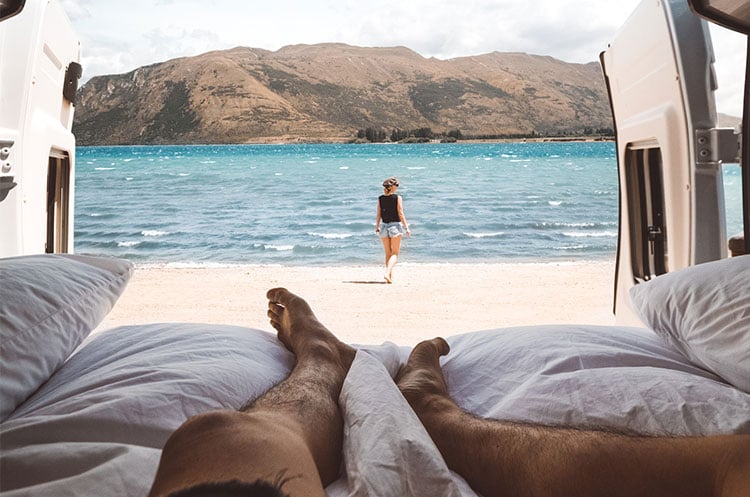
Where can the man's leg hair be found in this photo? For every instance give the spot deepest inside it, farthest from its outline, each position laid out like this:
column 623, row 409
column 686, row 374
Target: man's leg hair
column 295, row 429
column 500, row 458
column 232, row 488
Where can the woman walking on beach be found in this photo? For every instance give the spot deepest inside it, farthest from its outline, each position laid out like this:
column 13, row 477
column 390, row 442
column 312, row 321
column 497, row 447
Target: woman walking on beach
column 391, row 213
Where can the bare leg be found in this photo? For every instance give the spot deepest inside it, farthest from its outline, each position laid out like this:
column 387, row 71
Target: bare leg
column 388, row 254
column 292, row 434
column 395, row 249
column 503, row 458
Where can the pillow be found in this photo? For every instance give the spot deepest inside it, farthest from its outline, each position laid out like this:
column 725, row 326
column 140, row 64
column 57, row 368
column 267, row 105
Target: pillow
column 704, row 311
column 48, row 305
column 387, row 451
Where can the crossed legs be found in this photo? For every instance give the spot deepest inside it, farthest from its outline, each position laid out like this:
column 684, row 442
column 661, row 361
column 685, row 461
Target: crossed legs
column 291, row 437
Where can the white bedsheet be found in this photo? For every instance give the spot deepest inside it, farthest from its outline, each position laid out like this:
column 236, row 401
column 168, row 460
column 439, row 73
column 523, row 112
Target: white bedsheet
column 97, row 426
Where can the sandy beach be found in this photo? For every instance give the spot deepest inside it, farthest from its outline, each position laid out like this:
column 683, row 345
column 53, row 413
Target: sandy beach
column 425, row 300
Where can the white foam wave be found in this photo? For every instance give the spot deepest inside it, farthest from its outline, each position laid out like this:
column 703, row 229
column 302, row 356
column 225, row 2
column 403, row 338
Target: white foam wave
column 571, row 247
column 128, row 244
column 129, row 179
column 573, row 225
column 344, row 168
column 332, row 236
column 279, row 248
column 104, row 168
column 154, row 233
column 592, row 234
column 485, row 235
column 416, row 168
column 554, row 203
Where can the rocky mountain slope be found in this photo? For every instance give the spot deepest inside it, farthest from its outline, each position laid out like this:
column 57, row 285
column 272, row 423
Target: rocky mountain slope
column 329, row 91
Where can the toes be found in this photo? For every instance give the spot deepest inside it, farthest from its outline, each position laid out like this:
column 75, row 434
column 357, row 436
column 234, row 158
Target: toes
column 274, row 318
column 441, row 345
column 278, row 295
column 424, row 360
column 284, row 298
column 429, row 351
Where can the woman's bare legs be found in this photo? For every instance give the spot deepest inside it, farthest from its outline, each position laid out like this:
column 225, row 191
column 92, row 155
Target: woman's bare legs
column 502, row 458
column 291, row 435
column 392, row 248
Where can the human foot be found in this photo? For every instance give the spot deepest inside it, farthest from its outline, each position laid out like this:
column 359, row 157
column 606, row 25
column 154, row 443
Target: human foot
column 421, row 379
column 301, row 332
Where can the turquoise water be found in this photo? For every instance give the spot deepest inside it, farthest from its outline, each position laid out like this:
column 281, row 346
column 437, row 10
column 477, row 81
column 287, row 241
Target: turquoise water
column 315, row 204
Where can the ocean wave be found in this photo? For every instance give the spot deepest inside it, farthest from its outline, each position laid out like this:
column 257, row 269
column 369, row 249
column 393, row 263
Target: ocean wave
column 572, row 247
column 154, row 233
column 485, row 235
column 276, row 248
column 554, row 203
column 131, row 243
column 104, row 169
column 591, row 234
column 546, row 225
column 331, row 236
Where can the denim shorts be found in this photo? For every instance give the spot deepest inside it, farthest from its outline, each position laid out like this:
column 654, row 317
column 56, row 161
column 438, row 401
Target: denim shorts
column 391, row 230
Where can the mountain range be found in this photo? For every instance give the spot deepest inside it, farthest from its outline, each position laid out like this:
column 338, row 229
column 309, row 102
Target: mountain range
column 327, row 92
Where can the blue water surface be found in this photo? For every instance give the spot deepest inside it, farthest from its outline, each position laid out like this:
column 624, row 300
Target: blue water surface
column 315, row 204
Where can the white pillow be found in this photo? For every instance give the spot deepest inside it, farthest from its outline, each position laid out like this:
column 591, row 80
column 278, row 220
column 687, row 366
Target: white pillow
column 48, row 305
column 704, row 311
column 387, row 451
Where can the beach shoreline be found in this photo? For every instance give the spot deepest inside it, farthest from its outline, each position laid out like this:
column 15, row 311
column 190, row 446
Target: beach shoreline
column 425, row 300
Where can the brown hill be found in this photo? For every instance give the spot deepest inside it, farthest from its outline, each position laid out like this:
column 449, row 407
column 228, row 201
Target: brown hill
column 329, row 91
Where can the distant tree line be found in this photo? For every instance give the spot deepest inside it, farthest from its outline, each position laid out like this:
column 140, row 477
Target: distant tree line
column 380, row 135
column 421, row 135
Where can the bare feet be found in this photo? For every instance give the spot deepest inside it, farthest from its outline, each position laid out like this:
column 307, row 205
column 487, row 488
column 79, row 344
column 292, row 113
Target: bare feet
column 421, row 379
column 388, row 278
column 301, row 332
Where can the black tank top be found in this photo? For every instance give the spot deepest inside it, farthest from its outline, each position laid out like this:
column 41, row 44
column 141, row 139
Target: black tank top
column 389, row 208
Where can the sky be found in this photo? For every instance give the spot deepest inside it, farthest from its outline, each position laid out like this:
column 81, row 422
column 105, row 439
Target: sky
column 119, row 36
